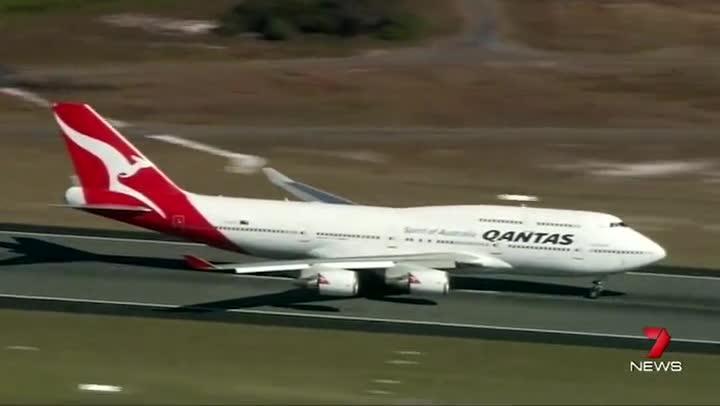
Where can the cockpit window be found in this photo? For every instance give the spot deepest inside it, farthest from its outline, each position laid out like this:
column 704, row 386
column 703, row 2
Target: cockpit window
column 618, row 224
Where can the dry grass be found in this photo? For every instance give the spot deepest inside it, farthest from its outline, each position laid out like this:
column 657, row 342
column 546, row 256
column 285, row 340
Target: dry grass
column 348, row 93
column 164, row 78
column 42, row 38
column 612, row 25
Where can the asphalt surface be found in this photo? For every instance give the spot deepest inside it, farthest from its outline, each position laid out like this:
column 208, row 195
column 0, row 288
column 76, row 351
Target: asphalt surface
column 113, row 274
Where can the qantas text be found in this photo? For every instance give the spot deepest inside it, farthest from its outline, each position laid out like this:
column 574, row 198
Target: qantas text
column 529, row 237
column 499, row 235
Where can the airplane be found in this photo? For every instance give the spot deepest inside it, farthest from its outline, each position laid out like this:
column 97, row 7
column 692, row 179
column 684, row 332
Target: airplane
column 330, row 243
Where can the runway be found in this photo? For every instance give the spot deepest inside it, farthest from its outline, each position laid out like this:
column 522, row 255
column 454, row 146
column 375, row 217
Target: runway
column 115, row 273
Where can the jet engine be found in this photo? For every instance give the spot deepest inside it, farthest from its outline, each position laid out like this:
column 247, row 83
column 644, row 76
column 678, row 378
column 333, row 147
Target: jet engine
column 417, row 279
column 329, row 281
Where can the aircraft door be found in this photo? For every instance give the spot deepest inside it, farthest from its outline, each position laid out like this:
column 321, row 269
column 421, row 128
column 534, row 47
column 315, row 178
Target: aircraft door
column 497, row 248
column 306, row 233
column 578, row 253
column 578, row 248
column 393, row 239
column 306, row 226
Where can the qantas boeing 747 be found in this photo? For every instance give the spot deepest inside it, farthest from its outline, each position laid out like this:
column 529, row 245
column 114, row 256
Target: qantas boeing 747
column 329, row 241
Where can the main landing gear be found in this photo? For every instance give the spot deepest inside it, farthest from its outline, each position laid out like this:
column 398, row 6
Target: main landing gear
column 597, row 288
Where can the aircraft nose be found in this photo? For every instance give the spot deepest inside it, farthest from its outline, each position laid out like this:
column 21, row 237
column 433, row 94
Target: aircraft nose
column 658, row 252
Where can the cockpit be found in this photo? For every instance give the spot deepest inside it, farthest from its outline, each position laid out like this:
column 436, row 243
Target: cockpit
column 616, row 242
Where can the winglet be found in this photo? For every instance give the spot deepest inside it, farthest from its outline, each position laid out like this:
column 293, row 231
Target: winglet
column 275, row 177
column 198, row 263
column 302, row 191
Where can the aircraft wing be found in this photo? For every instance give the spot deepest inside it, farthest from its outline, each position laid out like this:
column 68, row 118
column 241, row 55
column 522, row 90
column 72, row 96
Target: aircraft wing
column 432, row 260
column 302, row 191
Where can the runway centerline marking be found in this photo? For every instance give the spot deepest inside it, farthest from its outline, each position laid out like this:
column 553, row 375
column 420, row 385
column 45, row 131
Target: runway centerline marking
column 21, row 348
column 42, row 102
column 378, row 392
column 93, row 387
column 239, row 163
column 401, row 362
column 405, row 352
column 360, row 318
column 386, row 381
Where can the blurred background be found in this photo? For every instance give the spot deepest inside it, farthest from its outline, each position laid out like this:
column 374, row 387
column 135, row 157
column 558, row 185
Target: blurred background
column 601, row 105
column 608, row 105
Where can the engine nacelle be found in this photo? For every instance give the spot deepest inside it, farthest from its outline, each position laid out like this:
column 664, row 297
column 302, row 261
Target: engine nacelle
column 418, row 279
column 329, row 281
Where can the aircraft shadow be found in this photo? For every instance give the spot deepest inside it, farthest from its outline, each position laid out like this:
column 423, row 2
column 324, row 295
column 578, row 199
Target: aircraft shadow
column 296, row 299
column 35, row 251
column 517, row 286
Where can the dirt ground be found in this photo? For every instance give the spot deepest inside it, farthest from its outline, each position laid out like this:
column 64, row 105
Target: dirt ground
column 512, row 104
column 365, row 92
column 35, row 33
column 509, row 60
column 612, row 25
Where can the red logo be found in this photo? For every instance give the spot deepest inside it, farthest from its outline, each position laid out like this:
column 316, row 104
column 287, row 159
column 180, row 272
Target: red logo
column 662, row 340
column 321, row 280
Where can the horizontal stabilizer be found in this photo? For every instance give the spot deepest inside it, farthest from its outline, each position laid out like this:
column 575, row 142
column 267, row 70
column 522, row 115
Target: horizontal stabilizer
column 198, row 263
column 105, row 207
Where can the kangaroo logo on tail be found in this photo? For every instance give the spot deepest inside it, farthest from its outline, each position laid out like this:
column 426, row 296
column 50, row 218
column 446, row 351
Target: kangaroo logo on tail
column 117, row 165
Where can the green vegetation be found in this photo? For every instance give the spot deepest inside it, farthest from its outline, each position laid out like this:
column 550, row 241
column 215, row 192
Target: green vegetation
column 282, row 19
column 40, row 6
column 31, row 7
column 46, row 355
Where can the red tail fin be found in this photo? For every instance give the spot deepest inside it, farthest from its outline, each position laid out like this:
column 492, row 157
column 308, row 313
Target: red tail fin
column 118, row 181
column 110, row 169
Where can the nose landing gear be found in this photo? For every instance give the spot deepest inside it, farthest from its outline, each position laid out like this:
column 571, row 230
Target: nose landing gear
column 597, row 289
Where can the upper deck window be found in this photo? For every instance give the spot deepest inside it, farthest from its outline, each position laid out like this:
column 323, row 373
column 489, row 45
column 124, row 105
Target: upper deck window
column 551, row 224
column 618, row 224
column 505, row 221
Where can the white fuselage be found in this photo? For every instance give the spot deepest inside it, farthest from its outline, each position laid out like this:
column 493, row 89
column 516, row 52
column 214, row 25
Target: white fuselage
column 532, row 240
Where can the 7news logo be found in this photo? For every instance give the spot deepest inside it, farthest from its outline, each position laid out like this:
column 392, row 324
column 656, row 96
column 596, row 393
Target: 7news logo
column 662, row 339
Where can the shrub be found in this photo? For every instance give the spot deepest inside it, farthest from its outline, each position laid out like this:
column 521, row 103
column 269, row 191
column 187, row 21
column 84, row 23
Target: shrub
column 401, row 27
column 280, row 19
column 277, row 29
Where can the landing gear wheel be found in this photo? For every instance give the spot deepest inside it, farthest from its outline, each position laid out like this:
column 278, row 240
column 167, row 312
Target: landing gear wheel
column 597, row 289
